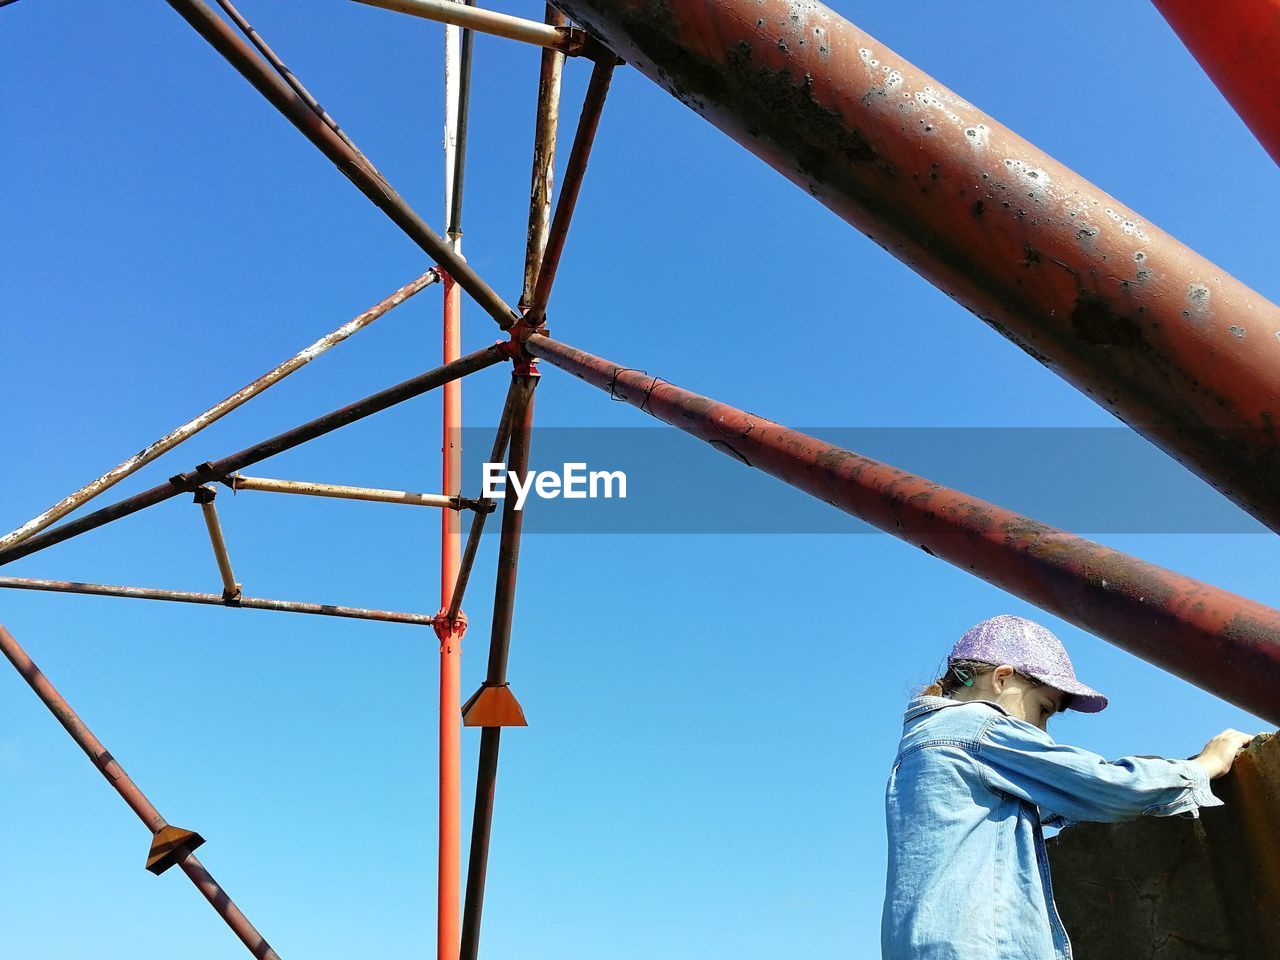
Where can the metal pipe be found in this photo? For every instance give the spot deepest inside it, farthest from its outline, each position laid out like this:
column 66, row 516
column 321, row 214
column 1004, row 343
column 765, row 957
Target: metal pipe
column 1170, row 343
column 208, row 472
column 189, row 429
column 1219, row 641
column 131, row 794
column 1237, row 43
column 213, row 599
column 226, row 908
column 575, row 170
column 372, row 494
column 348, row 161
column 457, row 169
column 499, row 648
column 468, row 561
column 544, row 160
column 287, row 75
column 450, row 631
column 486, row 21
column 205, row 496
column 484, row 508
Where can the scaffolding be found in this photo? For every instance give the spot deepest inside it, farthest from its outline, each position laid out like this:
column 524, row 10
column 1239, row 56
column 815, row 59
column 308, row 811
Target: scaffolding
column 868, row 134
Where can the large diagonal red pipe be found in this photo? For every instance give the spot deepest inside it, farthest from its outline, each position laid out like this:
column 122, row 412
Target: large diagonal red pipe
column 1219, row 641
column 1237, row 43
column 1155, row 333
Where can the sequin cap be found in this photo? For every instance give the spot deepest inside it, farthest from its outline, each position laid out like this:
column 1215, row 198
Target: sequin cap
column 1032, row 649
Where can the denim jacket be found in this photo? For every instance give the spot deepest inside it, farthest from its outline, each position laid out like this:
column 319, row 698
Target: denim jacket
column 971, row 786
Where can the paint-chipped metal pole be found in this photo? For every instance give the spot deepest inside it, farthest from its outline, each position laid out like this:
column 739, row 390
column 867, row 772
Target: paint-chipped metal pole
column 1219, row 641
column 575, row 170
column 541, row 189
column 217, row 470
column 307, row 488
column 205, row 497
column 134, row 797
column 1170, row 343
column 562, row 39
column 349, row 162
column 216, row 600
column 496, row 675
column 1237, row 43
column 214, row 413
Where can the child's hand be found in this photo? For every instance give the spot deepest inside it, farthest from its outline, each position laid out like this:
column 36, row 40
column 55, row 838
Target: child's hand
column 1220, row 752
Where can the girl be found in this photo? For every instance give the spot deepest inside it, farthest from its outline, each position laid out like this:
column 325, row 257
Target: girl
column 975, row 778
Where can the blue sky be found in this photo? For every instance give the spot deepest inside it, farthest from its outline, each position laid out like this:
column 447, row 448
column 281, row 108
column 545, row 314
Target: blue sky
column 712, row 717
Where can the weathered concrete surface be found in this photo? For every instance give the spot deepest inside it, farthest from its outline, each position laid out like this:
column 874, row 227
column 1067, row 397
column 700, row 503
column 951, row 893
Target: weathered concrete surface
column 1174, row 888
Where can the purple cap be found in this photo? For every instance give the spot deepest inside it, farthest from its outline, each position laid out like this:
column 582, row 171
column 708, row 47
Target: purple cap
column 1032, row 649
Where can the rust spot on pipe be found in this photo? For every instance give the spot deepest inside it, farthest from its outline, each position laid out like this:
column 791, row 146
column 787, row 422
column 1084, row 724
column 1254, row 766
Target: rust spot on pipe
column 1096, row 323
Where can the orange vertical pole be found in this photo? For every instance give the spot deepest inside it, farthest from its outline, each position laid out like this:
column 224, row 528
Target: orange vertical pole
column 450, row 630
column 450, row 635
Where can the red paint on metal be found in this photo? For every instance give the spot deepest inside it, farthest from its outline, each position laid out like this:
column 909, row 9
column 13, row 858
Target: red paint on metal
column 1163, row 338
column 449, row 897
column 131, row 795
column 1237, row 43
column 1220, row 641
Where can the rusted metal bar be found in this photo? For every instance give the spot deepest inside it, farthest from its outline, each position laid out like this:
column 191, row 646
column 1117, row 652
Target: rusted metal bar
column 468, row 561
column 496, row 455
column 1237, row 43
column 287, row 75
column 544, row 160
column 214, row 413
column 575, row 170
column 137, row 800
column 205, row 496
column 213, row 599
column 568, row 42
column 496, row 675
column 372, row 494
column 350, row 162
column 1219, row 641
column 217, row 470
column 1167, row 341
column 455, row 173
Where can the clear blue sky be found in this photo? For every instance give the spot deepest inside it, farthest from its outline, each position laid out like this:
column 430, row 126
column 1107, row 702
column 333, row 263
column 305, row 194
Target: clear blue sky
column 712, row 717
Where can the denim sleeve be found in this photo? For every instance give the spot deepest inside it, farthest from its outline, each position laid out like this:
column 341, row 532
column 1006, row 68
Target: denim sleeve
column 1071, row 784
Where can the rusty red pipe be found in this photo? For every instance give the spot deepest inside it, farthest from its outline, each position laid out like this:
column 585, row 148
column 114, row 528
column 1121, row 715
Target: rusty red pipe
column 1219, row 641
column 1237, row 43
column 1167, row 341
column 131, row 794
